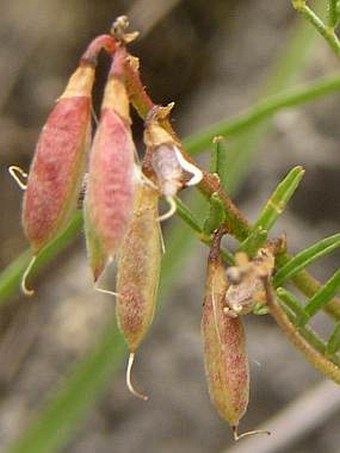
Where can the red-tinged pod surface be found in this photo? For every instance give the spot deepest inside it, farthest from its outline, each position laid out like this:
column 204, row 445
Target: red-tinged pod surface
column 225, row 355
column 139, row 268
column 110, row 193
column 58, row 166
column 109, row 198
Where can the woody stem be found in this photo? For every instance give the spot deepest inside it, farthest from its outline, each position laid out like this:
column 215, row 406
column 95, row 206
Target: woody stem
column 238, row 225
column 318, row 360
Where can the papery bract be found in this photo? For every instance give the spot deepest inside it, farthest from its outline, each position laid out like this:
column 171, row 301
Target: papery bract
column 165, row 157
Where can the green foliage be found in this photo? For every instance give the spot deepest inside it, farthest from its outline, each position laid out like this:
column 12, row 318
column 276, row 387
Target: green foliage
column 216, row 215
column 333, row 344
column 305, row 258
column 323, row 296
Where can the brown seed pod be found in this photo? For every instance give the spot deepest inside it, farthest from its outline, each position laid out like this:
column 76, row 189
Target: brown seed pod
column 110, row 191
column 138, row 271
column 225, row 355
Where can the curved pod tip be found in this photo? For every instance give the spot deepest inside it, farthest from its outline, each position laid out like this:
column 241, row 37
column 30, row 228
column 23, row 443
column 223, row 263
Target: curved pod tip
column 129, row 381
column 238, row 436
column 24, row 288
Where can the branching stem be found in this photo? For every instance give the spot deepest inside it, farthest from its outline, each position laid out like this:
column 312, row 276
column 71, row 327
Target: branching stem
column 318, row 360
column 327, row 31
column 239, row 227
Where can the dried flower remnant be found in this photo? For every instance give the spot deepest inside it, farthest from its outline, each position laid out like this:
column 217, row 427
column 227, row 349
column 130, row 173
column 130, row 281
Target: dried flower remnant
column 245, row 281
column 57, row 169
column 110, row 191
column 138, row 272
column 166, row 160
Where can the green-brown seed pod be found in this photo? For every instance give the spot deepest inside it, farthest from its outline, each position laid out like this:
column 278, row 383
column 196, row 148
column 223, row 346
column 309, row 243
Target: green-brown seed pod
column 138, row 271
column 225, row 356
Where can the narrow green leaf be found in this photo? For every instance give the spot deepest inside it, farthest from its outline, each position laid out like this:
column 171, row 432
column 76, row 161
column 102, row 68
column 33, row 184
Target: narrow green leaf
column 325, row 31
column 292, row 303
column 324, row 295
column 333, row 14
column 187, row 215
column 227, row 257
column 308, row 334
column 305, row 258
column 261, row 111
column 333, row 345
column 254, row 241
column 260, row 309
column 10, row 278
column 53, row 425
column 279, row 199
column 218, row 163
column 216, row 215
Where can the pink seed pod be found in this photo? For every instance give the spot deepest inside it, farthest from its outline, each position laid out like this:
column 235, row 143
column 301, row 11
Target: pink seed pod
column 110, row 191
column 138, row 272
column 57, row 169
column 58, row 166
column 225, row 355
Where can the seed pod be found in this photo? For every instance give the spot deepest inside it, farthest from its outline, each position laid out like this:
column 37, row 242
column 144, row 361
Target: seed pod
column 225, row 355
column 138, row 271
column 58, row 166
column 109, row 197
column 57, row 169
column 56, row 172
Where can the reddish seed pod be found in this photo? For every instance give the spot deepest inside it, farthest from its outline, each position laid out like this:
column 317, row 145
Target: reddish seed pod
column 138, row 271
column 110, row 192
column 58, row 165
column 225, row 355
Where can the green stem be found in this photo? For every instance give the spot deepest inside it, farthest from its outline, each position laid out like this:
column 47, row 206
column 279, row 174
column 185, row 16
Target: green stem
column 50, row 429
column 10, row 278
column 263, row 110
column 326, row 31
column 318, row 360
column 188, row 217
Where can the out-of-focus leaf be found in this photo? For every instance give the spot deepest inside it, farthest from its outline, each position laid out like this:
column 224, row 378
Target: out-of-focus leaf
column 306, row 257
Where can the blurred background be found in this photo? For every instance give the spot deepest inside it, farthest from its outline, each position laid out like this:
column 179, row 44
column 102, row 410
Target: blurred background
column 213, row 59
